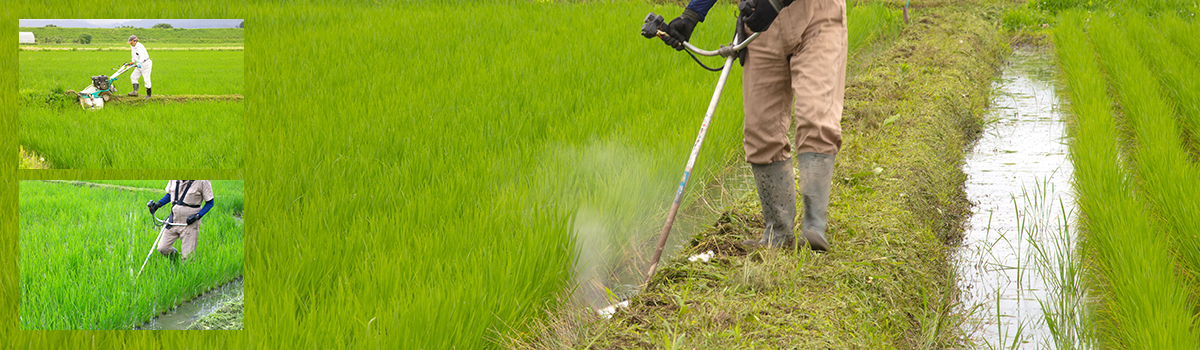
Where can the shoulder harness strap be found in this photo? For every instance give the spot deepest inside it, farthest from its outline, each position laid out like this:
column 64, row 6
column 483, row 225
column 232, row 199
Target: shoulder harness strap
column 180, row 194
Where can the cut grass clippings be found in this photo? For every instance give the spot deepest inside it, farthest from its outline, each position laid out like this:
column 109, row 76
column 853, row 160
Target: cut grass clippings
column 912, row 111
column 227, row 317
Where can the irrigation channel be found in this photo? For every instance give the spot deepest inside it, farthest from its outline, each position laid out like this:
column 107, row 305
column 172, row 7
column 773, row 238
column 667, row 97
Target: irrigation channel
column 1019, row 182
column 184, row 315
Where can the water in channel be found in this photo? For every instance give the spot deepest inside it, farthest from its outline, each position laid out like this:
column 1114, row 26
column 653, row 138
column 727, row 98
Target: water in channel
column 182, row 316
column 1019, row 178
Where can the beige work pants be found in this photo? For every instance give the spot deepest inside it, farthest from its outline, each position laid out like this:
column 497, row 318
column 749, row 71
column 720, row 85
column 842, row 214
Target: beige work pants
column 796, row 71
column 187, row 235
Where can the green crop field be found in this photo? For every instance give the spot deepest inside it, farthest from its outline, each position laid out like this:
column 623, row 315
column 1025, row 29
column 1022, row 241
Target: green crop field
column 165, row 135
column 152, row 136
column 175, row 72
column 429, row 194
column 147, row 36
column 1135, row 180
column 81, row 248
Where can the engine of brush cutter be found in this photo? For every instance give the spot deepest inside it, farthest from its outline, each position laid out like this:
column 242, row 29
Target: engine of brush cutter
column 100, row 82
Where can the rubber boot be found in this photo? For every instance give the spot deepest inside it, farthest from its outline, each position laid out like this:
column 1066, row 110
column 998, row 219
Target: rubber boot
column 816, row 175
column 147, row 92
column 134, row 92
column 777, row 193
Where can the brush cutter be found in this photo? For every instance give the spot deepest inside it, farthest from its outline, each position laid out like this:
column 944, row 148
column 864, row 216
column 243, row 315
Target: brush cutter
column 157, row 223
column 102, row 89
column 653, row 27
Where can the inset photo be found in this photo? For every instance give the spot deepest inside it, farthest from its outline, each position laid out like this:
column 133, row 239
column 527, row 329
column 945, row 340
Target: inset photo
column 131, row 93
column 131, row 254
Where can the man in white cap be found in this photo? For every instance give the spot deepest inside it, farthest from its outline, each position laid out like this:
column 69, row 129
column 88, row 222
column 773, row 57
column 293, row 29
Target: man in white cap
column 141, row 60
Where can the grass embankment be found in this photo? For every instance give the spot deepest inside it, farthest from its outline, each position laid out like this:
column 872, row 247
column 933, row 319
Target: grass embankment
column 81, row 248
column 911, row 111
column 1134, row 180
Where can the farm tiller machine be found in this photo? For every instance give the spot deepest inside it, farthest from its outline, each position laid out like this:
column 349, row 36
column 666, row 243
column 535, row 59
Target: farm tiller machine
column 102, row 89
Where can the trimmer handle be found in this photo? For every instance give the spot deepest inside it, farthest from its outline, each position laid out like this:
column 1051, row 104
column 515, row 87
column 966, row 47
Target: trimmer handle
column 652, row 26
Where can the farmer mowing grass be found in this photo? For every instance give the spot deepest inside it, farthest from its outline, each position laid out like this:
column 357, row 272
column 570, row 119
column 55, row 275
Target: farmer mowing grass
column 198, row 121
column 81, row 245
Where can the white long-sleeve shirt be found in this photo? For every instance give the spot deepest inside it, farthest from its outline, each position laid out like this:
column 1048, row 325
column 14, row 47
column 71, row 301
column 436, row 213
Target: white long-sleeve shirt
column 138, row 52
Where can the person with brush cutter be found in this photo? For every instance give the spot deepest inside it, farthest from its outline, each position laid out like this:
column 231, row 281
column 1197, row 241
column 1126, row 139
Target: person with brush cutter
column 795, row 72
column 185, row 197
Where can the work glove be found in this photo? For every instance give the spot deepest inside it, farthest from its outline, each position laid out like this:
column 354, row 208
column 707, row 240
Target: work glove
column 680, row 29
column 153, row 205
column 193, row 218
column 758, row 14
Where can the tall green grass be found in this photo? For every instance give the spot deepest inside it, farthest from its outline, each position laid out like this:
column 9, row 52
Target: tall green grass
column 175, row 72
column 81, row 248
column 203, row 135
column 1145, row 302
column 869, row 22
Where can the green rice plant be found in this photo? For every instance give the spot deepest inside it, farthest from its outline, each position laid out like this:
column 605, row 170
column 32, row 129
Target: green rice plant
column 1145, row 302
column 81, row 249
column 154, row 136
column 175, row 72
column 1160, row 157
column 870, row 22
column 1176, row 72
column 1183, row 32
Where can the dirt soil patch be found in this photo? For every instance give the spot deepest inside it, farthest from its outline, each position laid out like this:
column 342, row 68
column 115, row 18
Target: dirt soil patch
column 912, row 110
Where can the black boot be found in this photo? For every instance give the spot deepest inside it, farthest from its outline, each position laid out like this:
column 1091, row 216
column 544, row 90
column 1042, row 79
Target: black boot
column 777, row 193
column 816, row 176
column 134, row 92
column 147, row 92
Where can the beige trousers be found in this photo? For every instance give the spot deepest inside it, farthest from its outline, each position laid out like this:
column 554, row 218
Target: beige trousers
column 187, row 235
column 796, row 71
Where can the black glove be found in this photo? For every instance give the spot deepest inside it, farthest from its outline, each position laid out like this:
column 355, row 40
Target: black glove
column 153, row 206
column 193, row 218
column 680, row 29
column 758, row 14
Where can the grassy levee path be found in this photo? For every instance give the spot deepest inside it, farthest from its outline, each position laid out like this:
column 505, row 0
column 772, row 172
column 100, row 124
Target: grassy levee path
column 913, row 107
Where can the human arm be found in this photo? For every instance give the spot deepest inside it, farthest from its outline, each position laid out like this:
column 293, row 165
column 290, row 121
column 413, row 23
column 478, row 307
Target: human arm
column 161, row 202
column 207, row 205
column 680, row 29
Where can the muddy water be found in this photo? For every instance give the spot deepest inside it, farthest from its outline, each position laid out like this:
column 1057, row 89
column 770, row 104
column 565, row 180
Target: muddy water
column 187, row 313
column 1019, row 181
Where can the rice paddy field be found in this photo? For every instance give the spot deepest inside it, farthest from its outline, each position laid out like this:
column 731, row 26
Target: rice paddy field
column 81, row 248
column 163, row 134
column 452, row 175
column 1132, row 79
